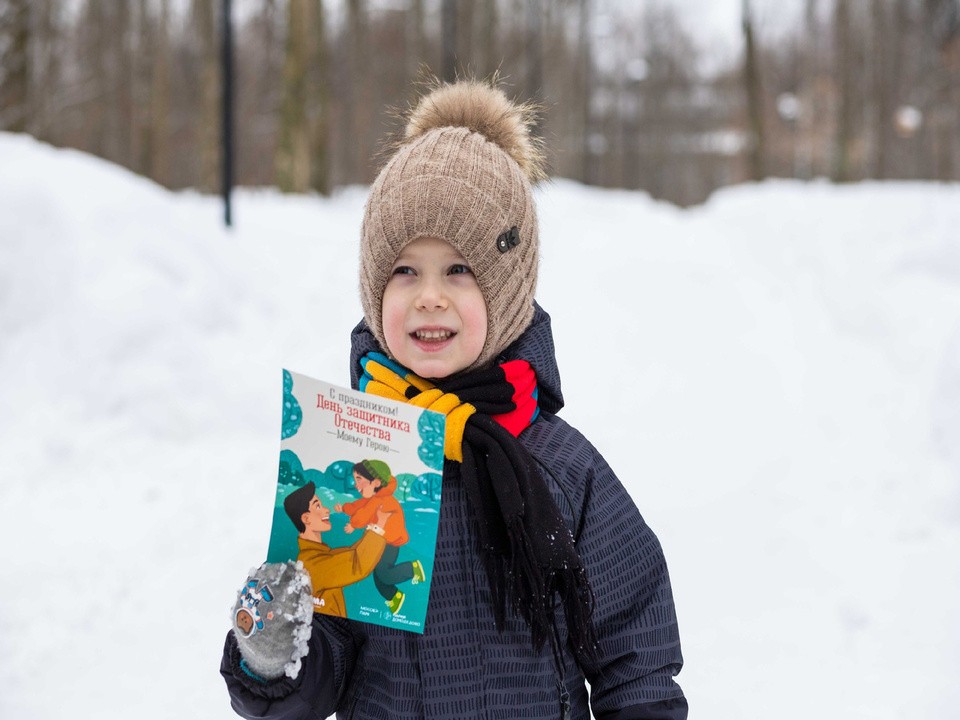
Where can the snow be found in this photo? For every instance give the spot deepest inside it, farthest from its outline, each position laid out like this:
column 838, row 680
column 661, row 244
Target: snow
column 774, row 375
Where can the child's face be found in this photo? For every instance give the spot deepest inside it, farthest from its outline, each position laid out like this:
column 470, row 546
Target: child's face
column 367, row 488
column 434, row 316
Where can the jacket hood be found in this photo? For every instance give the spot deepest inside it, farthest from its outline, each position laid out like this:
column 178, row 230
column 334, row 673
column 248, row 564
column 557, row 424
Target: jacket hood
column 535, row 346
column 387, row 489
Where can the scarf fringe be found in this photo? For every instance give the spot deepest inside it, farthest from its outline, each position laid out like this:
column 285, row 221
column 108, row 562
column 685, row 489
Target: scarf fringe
column 534, row 591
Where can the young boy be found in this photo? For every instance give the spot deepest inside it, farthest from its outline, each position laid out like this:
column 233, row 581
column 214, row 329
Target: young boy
column 546, row 577
column 376, row 485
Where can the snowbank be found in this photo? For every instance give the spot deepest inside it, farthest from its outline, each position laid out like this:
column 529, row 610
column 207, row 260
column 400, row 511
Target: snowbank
column 775, row 376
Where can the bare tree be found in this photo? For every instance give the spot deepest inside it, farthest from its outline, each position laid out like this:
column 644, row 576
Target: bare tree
column 318, row 115
column 416, row 39
column 158, row 144
column 356, row 95
column 487, row 41
column 15, row 49
column 260, row 58
column 293, row 149
column 534, row 49
column 448, row 42
column 845, row 74
column 754, row 93
column 208, row 125
column 585, row 46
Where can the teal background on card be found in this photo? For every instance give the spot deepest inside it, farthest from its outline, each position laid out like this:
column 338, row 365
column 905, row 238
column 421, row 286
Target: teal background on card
column 419, row 496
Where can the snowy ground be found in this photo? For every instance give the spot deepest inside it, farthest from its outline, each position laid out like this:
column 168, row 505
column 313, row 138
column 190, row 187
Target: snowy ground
column 775, row 376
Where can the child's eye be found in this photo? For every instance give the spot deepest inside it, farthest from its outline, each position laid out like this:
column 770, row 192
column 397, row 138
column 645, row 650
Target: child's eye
column 403, row 270
column 459, row 270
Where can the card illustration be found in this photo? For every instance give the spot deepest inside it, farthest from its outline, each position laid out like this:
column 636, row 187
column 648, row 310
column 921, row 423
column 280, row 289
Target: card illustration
column 358, row 501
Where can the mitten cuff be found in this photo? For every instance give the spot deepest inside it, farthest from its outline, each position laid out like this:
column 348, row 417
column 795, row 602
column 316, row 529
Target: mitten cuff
column 275, row 689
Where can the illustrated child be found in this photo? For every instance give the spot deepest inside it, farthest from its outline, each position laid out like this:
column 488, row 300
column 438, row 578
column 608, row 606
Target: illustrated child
column 377, row 485
column 546, row 577
column 331, row 569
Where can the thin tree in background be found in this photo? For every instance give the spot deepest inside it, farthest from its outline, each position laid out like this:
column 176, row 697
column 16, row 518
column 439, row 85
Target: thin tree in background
column 941, row 18
column 844, row 72
column 15, row 65
column 585, row 43
column 448, row 40
column 48, row 63
column 355, row 85
column 259, row 58
column 416, row 39
column 881, row 55
column 809, row 99
column 293, row 148
column 94, row 43
column 208, row 129
column 318, row 114
column 754, row 94
column 228, row 106
column 487, row 46
column 141, row 81
column 534, row 50
column 158, row 143
column 465, row 55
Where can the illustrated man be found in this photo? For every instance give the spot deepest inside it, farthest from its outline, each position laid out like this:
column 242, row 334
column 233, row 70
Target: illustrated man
column 331, row 569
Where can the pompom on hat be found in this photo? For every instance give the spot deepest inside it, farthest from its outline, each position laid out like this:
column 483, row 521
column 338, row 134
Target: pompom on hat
column 462, row 173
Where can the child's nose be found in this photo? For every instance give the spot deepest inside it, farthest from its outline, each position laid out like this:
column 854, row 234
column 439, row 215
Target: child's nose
column 431, row 295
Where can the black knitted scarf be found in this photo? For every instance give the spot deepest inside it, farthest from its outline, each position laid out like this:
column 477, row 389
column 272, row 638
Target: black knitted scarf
column 527, row 549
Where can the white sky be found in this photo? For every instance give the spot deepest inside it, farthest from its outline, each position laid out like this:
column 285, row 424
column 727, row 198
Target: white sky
column 707, row 19
column 716, row 23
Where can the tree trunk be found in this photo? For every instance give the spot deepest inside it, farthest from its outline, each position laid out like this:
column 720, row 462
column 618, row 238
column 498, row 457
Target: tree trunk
column 208, row 132
column 754, row 92
column 356, row 95
column 15, row 65
column 319, row 115
column 884, row 86
column 844, row 70
column 293, row 148
column 487, row 45
column 586, row 95
column 158, row 147
column 416, row 41
column 534, row 50
column 448, row 40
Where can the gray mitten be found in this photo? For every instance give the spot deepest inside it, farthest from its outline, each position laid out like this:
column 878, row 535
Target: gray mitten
column 272, row 619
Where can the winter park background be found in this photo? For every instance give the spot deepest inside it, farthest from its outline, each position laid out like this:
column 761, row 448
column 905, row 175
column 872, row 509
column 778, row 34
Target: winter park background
column 775, row 376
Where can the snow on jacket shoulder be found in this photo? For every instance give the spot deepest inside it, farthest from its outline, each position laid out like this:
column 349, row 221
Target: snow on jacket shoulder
column 461, row 666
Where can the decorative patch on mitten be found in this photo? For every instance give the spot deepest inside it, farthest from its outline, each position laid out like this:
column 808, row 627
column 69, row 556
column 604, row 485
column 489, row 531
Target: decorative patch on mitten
column 248, row 618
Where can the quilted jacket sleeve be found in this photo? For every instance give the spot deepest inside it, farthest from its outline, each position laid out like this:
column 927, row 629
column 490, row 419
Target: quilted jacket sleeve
column 313, row 695
column 638, row 651
column 638, row 640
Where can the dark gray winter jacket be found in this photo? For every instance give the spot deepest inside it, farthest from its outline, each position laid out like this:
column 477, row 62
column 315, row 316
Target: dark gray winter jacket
column 462, row 667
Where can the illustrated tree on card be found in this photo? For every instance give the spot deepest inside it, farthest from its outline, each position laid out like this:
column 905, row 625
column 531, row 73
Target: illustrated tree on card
column 292, row 414
column 431, row 429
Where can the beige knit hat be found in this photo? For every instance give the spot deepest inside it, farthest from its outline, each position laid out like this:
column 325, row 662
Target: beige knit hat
column 463, row 174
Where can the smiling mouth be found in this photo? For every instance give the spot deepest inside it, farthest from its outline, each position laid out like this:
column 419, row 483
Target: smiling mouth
column 432, row 335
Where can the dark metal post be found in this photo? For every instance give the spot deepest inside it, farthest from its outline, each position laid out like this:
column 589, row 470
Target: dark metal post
column 227, row 129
